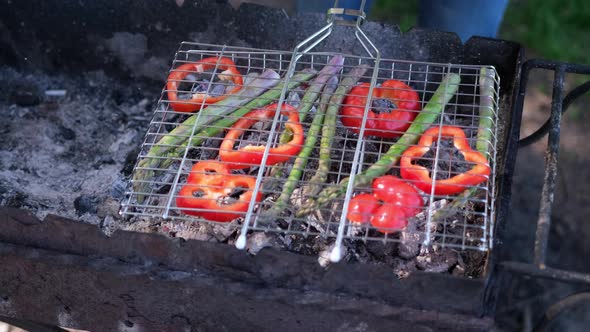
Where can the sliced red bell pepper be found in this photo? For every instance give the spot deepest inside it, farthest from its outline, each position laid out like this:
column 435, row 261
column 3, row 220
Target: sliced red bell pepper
column 214, row 194
column 361, row 208
column 252, row 155
column 393, row 201
column 420, row 176
column 385, row 124
column 389, row 218
column 227, row 72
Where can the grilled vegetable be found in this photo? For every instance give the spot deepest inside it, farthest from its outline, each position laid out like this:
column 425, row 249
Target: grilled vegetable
column 361, row 208
column 405, row 101
column 303, row 157
column 484, row 135
column 453, row 185
column 228, row 72
column 329, row 129
column 213, row 193
column 252, row 155
column 393, row 201
column 427, row 116
column 389, row 218
column 173, row 144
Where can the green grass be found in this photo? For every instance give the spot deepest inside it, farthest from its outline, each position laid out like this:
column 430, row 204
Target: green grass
column 403, row 13
column 552, row 29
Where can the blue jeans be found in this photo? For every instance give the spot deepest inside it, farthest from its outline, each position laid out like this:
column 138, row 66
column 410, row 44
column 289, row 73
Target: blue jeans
column 465, row 17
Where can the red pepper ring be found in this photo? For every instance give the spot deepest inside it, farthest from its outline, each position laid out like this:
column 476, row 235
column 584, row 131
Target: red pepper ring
column 206, row 170
column 387, row 125
column 228, row 72
column 393, row 201
column 453, row 185
column 220, row 196
column 252, row 155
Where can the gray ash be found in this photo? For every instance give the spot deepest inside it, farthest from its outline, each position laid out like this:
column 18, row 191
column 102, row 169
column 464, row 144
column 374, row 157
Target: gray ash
column 450, row 161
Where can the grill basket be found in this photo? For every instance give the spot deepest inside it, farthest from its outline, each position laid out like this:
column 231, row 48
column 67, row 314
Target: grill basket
column 175, row 142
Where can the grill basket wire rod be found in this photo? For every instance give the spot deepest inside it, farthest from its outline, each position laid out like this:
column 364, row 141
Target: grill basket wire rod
column 485, row 82
column 350, row 155
column 313, row 41
column 336, row 253
column 429, row 212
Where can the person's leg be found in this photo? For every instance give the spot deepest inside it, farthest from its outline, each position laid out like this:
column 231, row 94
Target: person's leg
column 465, row 17
column 324, row 5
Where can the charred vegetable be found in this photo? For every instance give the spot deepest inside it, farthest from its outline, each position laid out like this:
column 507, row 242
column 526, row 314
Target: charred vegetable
column 213, row 193
column 393, row 201
column 405, row 101
column 228, row 72
column 329, row 129
column 420, row 175
column 250, row 156
column 427, row 116
column 172, row 145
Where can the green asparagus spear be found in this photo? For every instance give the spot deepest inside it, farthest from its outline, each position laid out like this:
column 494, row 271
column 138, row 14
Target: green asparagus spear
column 333, row 67
column 329, row 129
column 484, row 135
column 427, row 116
column 303, row 157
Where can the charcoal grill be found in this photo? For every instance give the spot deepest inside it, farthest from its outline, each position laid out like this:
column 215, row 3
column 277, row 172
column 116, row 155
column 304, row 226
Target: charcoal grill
column 156, row 184
column 149, row 282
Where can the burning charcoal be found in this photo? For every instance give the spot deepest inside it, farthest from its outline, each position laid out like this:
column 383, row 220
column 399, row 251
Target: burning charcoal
column 436, row 259
column 86, row 204
column 403, row 268
column 190, row 231
column 260, row 240
column 450, row 161
column 200, row 87
column 459, row 269
column 380, row 250
column 26, row 94
column 297, row 197
column 127, row 169
column 110, row 207
column 108, row 226
column 409, row 246
column 359, row 252
column 223, row 231
column 66, row 133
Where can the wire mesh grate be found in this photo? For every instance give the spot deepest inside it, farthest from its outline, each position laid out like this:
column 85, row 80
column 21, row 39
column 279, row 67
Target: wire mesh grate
column 218, row 89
